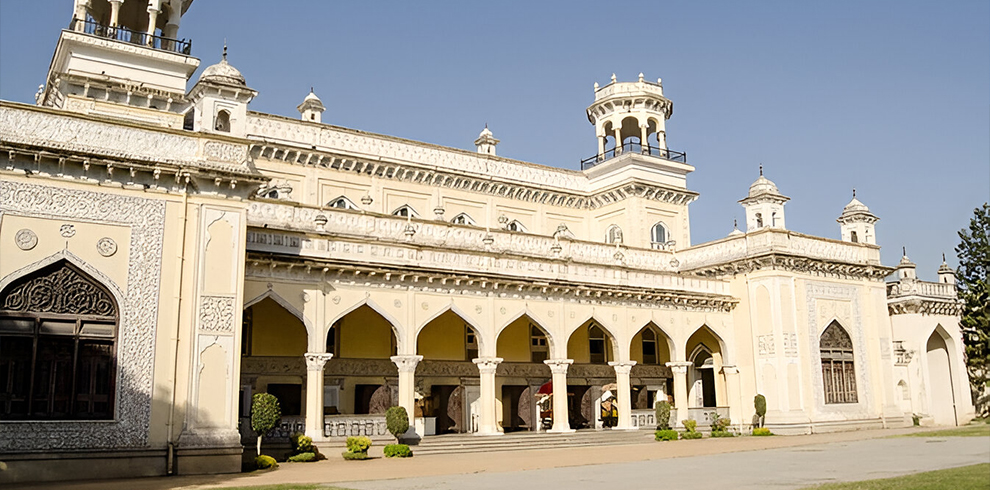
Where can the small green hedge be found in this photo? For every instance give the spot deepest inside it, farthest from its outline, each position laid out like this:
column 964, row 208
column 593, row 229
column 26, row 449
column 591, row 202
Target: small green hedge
column 358, row 444
column 302, row 458
column 722, row 433
column 762, row 431
column 398, row 451
column 352, row 456
column 264, row 462
column 665, row 435
column 691, row 435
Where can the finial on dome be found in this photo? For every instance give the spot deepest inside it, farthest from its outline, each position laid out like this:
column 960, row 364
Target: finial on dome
column 735, row 224
column 640, row 76
column 761, row 170
column 854, row 193
column 225, row 49
column 596, row 86
column 613, row 78
column 943, row 257
column 904, row 251
column 311, row 89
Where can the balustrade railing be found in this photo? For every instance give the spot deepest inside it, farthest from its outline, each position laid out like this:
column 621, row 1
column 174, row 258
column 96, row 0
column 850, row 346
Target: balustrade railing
column 126, row 35
column 632, row 147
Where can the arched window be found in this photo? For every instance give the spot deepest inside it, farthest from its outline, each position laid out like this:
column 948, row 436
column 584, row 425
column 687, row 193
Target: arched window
column 462, row 219
column 613, row 234
column 596, row 344
column 58, row 332
column 341, row 203
column 838, row 372
column 649, row 346
column 659, row 236
column 853, row 237
column 222, row 122
column 333, row 339
column 470, row 343
column 406, row 211
column 704, row 366
column 515, row 225
column 759, row 220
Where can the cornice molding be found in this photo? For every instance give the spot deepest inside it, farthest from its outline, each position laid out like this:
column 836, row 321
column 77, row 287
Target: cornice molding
column 797, row 264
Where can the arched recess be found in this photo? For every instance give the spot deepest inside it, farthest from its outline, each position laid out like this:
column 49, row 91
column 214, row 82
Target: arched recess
column 592, row 343
column 764, row 320
column 397, row 337
column 903, row 395
column 363, row 331
column 838, row 365
column 941, row 389
column 706, row 350
column 272, row 327
column 651, row 336
column 449, row 335
column 59, row 331
column 523, row 339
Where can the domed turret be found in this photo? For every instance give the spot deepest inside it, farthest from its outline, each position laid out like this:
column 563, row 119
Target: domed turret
column 223, row 73
column 857, row 224
column 311, row 108
column 486, row 142
column 220, row 99
column 764, row 205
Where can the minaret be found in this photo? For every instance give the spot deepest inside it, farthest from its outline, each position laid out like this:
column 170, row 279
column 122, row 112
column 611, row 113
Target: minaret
column 945, row 273
column 486, row 142
column 637, row 111
column 311, row 108
column 764, row 205
column 905, row 268
column 857, row 224
column 220, row 99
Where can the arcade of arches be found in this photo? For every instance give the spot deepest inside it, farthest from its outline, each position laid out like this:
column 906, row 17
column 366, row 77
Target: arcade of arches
column 454, row 375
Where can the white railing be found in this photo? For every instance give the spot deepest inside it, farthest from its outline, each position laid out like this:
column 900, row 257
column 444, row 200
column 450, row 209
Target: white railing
column 373, row 426
column 388, row 241
column 921, row 288
column 644, row 419
column 780, row 241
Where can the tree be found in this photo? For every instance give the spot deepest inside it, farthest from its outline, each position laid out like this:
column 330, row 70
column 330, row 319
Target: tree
column 974, row 289
column 265, row 415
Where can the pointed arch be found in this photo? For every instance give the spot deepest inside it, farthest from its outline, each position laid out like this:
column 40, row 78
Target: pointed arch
column 342, row 202
column 539, row 343
column 586, row 327
column 405, row 211
column 661, row 335
column 370, row 303
column 515, row 225
column 463, row 219
column 284, row 303
column 535, row 319
column 71, row 258
column 613, row 234
column 453, row 308
column 698, row 336
column 838, row 365
column 659, row 235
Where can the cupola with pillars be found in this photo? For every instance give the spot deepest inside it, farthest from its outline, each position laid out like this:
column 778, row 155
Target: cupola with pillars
column 122, row 52
column 631, row 117
column 857, row 224
column 220, row 100
column 764, row 205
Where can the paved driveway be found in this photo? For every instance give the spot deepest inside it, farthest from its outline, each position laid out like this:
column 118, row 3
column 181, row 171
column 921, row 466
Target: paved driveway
column 784, row 468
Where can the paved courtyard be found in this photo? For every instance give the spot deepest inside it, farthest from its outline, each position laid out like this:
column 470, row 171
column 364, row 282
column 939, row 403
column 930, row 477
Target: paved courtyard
column 740, row 463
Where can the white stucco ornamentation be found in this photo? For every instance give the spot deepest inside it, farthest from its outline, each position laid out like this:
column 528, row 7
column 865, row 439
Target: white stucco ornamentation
column 106, row 246
column 26, row 239
column 216, row 314
column 138, row 318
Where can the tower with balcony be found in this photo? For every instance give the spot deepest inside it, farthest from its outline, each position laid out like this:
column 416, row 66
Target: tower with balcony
column 123, row 52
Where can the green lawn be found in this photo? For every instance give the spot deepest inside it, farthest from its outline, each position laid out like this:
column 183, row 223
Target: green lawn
column 972, row 430
column 965, row 477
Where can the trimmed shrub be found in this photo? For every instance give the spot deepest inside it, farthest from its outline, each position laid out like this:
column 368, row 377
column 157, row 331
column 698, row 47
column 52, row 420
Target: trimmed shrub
column 761, row 431
column 302, row 458
column 265, row 415
column 665, row 435
column 691, row 435
column 352, row 456
column 915, row 419
column 358, row 444
column 663, row 415
column 760, row 403
column 722, row 433
column 690, row 424
column 397, row 421
column 398, row 451
column 263, row 462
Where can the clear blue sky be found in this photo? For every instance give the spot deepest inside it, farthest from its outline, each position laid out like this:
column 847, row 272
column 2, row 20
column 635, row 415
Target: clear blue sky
column 889, row 97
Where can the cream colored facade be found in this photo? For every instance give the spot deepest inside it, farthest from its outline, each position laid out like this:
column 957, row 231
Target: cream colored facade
column 348, row 271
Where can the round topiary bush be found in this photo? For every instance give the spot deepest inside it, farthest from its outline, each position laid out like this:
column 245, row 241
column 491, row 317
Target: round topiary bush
column 263, row 462
column 265, row 415
column 397, row 421
column 760, row 403
column 398, row 451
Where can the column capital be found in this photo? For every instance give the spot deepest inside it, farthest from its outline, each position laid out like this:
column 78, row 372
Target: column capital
column 487, row 365
column 622, row 367
column 558, row 366
column 679, row 367
column 406, row 364
column 316, row 360
column 730, row 369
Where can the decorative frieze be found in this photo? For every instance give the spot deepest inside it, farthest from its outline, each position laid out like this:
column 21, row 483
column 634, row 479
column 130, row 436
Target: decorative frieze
column 765, row 345
column 216, row 314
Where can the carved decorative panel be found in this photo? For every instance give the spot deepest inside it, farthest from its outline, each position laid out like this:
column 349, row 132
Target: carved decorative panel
column 60, row 290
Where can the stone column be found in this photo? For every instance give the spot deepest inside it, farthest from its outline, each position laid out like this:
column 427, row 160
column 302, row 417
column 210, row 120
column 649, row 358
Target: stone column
column 623, row 398
column 558, row 370
column 618, row 141
column 152, row 20
column 643, row 141
column 407, row 385
column 680, row 370
column 601, row 147
column 732, row 393
column 314, row 393
column 487, row 367
column 115, row 12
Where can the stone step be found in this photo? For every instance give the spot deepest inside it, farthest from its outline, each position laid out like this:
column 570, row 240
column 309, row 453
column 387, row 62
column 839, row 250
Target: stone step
column 463, row 443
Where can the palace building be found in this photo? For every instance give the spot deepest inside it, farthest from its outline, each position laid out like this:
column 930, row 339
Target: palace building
column 167, row 253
